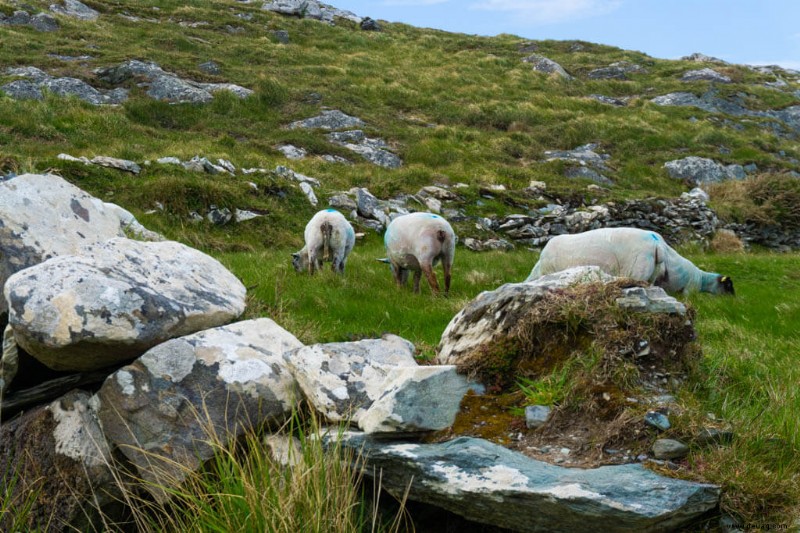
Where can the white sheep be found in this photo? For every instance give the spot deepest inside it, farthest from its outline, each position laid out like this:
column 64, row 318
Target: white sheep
column 329, row 237
column 629, row 252
column 418, row 241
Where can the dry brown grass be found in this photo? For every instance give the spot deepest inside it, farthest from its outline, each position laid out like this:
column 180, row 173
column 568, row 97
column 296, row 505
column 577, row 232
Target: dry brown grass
column 725, row 241
column 765, row 200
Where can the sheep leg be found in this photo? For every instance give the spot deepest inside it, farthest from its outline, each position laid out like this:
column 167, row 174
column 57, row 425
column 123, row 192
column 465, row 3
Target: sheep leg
column 312, row 262
column 417, row 277
column 447, row 265
column 431, row 277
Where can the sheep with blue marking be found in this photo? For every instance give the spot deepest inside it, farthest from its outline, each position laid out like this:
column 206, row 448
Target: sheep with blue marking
column 417, row 242
column 328, row 237
column 629, row 252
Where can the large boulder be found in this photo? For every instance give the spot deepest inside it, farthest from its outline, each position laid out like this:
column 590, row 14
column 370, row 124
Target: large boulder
column 490, row 317
column 117, row 299
column 75, row 9
column 540, row 63
column 168, row 409
column 56, row 452
column 490, row 484
column 377, row 385
column 43, row 216
column 699, row 170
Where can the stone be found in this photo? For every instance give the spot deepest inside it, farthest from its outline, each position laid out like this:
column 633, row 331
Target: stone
column 292, row 152
column 368, row 24
column 489, row 317
column 439, row 193
column 650, row 300
column 705, row 74
column 540, row 63
column 657, row 420
column 583, row 155
column 615, row 71
column 169, row 161
column 288, row 173
column 697, row 194
column 161, row 410
column 488, row 245
column 22, row 90
column 610, row 100
column 669, row 449
column 587, row 173
column 433, row 205
column 377, row 385
column 9, row 363
column 371, row 149
column 697, row 57
column 243, row 215
column 342, row 201
column 328, row 120
column 74, row 9
column 210, row 67
column 40, row 22
column 219, row 217
column 309, row 192
column 44, row 216
column 285, row 450
column 492, row 485
column 119, row 164
column 117, row 299
column 537, row 415
column 713, row 436
column 311, row 9
column 699, row 170
column 58, row 452
column 368, row 205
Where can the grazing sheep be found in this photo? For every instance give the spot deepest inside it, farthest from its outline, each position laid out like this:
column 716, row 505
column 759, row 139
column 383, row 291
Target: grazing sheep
column 417, row 242
column 629, row 252
column 329, row 237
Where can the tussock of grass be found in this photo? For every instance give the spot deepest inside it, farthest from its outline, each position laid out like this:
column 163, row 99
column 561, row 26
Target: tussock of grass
column 766, row 200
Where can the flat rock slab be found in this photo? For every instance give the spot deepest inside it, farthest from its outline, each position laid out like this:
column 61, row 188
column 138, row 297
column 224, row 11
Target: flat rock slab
column 160, row 410
column 377, row 385
column 44, row 216
column 116, row 300
column 489, row 484
column 492, row 314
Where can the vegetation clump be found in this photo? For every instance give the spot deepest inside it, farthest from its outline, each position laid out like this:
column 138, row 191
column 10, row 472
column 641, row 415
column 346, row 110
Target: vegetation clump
column 765, row 200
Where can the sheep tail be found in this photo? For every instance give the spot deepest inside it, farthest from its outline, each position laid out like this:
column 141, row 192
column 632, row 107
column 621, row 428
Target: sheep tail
column 327, row 234
column 441, row 235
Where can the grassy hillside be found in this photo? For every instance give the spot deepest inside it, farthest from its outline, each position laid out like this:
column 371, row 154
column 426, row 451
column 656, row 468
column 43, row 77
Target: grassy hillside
column 455, row 108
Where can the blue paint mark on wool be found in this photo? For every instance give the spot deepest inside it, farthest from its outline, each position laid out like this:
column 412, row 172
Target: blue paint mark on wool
column 331, row 210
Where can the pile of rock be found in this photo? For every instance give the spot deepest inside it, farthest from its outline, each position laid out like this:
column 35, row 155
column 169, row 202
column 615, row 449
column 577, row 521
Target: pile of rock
column 34, row 81
column 374, row 150
column 310, row 9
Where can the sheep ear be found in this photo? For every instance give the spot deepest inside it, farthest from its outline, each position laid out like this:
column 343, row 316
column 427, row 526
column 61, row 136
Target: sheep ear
column 723, row 279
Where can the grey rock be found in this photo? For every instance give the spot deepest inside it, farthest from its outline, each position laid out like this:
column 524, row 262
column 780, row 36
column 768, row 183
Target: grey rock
column 65, row 220
column 699, row 170
column 282, row 36
column 650, row 300
column 71, row 58
column 587, row 173
column 610, row 100
column 489, row 484
column 210, row 67
column 9, row 363
column 219, row 217
column 336, row 159
column 368, row 24
column 705, row 74
column 368, row 205
column 32, row 73
column 22, row 90
column 174, row 89
column 309, row 192
column 657, row 420
column 311, row 9
column 583, row 155
column 169, row 161
column 371, row 149
column 489, row 317
column 159, row 410
column 377, row 385
column 540, row 63
column 285, row 450
column 328, row 120
column 489, row 244
column 616, row 71
column 40, row 22
column 710, row 436
column 74, row 9
column 79, row 485
column 77, row 88
column 116, row 300
column 120, row 164
column 243, row 215
column 292, row 152
column 343, row 202
column 669, row 449
column 288, row 173
column 697, row 194
column 537, row 415
column 702, row 58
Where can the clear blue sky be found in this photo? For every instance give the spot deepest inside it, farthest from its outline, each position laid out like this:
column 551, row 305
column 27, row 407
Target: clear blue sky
column 754, row 32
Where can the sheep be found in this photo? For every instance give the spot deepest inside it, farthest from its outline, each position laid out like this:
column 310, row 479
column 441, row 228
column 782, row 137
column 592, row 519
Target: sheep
column 418, row 241
column 328, row 237
column 629, row 252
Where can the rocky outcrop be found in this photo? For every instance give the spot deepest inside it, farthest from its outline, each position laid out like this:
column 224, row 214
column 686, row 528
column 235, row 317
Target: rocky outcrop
column 116, row 299
column 492, row 485
column 539, row 63
column 616, row 71
column 74, row 9
column 489, row 318
column 376, row 384
column 163, row 85
column 329, row 120
column 65, row 219
column 161, row 410
column 39, row 22
column 700, row 170
column 697, row 57
column 705, row 74
column 36, row 82
column 373, row 150
column 58, row 453
column 105, row 161
column 311, row 9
